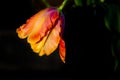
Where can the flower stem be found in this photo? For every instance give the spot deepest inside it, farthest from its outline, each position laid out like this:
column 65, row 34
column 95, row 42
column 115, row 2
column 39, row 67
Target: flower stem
column 62, row 5
column 46, row 3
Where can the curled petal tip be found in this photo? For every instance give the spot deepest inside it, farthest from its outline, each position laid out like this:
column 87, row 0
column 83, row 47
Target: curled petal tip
column 20, row 32
column 41, row 53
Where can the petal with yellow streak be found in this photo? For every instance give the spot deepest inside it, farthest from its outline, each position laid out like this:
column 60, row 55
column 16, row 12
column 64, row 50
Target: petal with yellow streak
column 40, row 28
column 38, row 46
column 52, row 41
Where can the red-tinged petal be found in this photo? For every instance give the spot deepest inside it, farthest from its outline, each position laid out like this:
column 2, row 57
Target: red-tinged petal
column 62, row 51
column 38, row 46
column 42, row 26
column 52, row 41
column 54, row 16
column 24, row 30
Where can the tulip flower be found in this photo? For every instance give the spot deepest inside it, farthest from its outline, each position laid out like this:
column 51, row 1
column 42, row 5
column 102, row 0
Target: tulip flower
column 44, row 32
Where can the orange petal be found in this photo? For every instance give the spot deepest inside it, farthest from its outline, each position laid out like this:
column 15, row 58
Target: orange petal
column 24, row 30
column 39, row 30
column 62, row 51
column 52, row 41
column 42, row 26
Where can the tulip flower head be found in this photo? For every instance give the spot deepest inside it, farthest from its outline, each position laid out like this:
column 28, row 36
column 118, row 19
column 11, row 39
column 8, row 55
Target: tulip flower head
column 44, row 32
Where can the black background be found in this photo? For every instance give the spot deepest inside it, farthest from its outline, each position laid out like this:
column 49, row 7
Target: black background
column 87, row 43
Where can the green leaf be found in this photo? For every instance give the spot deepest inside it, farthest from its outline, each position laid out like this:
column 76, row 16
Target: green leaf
column 113, row 54
column 112, row 18
column 78, row 2
column 116, row 60
column 107, row 23
column 90, row 2
column 116, row 65
column 102, row 1
column 118, row 45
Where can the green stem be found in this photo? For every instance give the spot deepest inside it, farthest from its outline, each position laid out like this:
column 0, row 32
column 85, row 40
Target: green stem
column 62, row 5
column 46, row 3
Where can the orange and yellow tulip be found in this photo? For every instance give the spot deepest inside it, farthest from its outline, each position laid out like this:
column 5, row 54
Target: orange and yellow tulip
column 44, row 32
